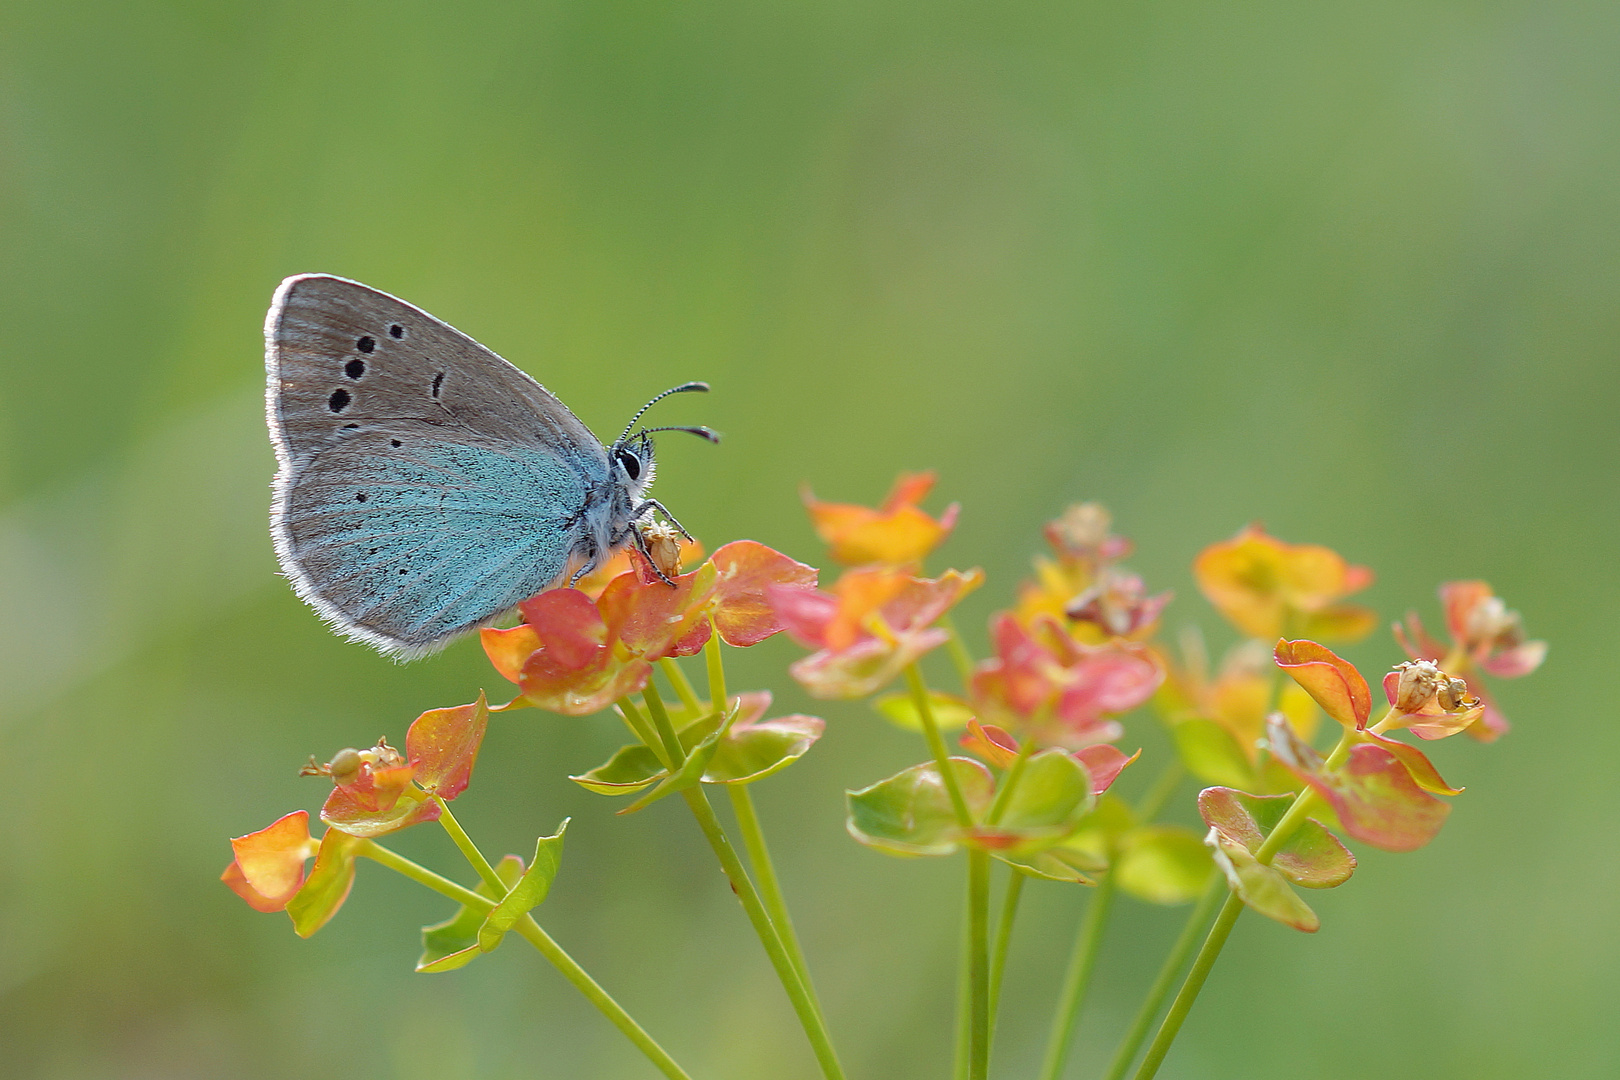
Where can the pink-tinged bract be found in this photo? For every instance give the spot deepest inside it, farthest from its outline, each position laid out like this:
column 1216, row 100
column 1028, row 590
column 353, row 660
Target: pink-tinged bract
column 872, row 624
column 1333, row 681
column 1374, row 795
column 575, row 656
column 1060, row 691
column 1104, row 763
column 1486, row 637
column 1431, row 720
column 268, row 869
column 443, row 744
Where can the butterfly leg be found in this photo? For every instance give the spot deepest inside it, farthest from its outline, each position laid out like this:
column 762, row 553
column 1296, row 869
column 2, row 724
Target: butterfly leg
column 587, row 567
column 641, row 546
column 654, row 504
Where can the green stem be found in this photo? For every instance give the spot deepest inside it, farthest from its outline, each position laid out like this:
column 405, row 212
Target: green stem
column 486, row 872
column 1015, row 773
column 1194, row 982
column 642, row 729
column 961, row 659
column 1165, row 981
column 717, row 672
column 683, row 686
column 936, row 743
column 542, row 941
column 1004, row 929
column 804, row 1003
column 979, row 963
column 759, row 857
column 964, row 997
column 666, row 730
column 1078, row 978
column 420, row 874
column 530, row 930
column 1222, row 929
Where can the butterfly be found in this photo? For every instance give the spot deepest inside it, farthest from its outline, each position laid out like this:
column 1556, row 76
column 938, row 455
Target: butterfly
column 426, row 486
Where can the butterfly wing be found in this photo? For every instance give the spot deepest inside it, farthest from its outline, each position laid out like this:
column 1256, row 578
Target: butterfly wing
column 425, row 484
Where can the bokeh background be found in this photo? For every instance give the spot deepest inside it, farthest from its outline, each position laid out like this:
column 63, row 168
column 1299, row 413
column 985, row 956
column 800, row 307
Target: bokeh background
column 1348, row 269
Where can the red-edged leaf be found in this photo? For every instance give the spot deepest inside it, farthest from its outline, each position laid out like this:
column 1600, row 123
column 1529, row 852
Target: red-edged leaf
column 1311, row 856
column 1416, row 762
column 1378, row 802
column 750, row 576
column 443, row 744
column 1333, row 681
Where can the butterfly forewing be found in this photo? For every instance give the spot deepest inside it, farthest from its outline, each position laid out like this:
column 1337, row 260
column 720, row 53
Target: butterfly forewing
column 426, row 485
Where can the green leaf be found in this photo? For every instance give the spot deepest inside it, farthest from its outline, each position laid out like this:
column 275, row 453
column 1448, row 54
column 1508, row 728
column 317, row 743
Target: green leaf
column 1212, row 754
column 756, row 751
column 1051, row 799
column 1163, row 864
column 910, row 813
column 630, row 769
column 1058, row 863
column 1261, row 887
column 453, row 943
column 328, row 884
column 697, row 760
column 1101, row 830
column 950, row 712
column 527, row 893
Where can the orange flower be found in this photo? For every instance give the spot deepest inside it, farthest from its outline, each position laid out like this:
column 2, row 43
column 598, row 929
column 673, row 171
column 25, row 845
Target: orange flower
column 1084, row 586
column 1486, row 636
column 872, row 624
column 1268, row 588
column 895, row 534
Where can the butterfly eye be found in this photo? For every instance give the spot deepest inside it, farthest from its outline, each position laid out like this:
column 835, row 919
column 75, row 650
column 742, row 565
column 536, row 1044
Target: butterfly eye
column 631, row 464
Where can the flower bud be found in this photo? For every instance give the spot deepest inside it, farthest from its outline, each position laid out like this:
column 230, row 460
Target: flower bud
column 344, row 766
column 1420, row 681
column 1454, row 696
column 662, row 543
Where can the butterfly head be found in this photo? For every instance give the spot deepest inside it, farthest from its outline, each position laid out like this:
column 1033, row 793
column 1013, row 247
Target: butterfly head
column 634, row 465
column 632, row 454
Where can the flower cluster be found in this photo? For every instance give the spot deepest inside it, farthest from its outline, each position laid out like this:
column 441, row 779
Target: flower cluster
column 576, row 655
column 374, row 792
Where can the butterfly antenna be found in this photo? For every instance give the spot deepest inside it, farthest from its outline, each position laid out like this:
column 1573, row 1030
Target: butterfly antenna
column 684, row 388
column 708, row 434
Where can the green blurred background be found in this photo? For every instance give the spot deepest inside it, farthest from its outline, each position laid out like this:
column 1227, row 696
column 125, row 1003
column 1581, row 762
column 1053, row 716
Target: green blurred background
column 1349, row 269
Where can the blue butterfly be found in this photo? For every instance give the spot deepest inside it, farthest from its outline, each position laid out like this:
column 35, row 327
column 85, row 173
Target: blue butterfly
column 426, row 486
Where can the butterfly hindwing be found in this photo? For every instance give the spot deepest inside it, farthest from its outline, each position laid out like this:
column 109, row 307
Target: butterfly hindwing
column 411, row 548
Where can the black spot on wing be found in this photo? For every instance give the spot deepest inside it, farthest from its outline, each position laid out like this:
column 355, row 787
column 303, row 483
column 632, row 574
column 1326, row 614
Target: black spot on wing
column 396, row 331
column 366, row 344
column 339, row 400
column 355, row 368
column 438, row 383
